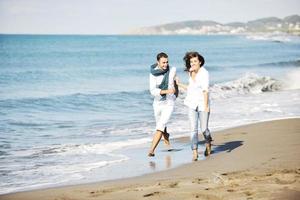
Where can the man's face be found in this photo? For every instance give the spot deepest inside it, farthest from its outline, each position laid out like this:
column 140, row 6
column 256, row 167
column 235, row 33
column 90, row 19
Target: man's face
column 163, row 63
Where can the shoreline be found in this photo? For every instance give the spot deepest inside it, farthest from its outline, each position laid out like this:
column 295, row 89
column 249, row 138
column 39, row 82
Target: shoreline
column 180, row 142
column 238, row 157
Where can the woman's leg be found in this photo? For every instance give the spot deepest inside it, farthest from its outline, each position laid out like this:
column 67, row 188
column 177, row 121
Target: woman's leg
column 193, row 119
column 204, row 118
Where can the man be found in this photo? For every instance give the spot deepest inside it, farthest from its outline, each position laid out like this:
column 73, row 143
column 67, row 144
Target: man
column 162, row 88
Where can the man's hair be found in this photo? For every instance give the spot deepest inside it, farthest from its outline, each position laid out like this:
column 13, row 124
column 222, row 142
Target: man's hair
column 161, row 55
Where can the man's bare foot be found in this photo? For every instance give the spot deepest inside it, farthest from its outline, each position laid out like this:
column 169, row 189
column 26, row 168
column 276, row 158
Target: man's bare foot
column 195, row 155
column 166, row 138
column 151, row 154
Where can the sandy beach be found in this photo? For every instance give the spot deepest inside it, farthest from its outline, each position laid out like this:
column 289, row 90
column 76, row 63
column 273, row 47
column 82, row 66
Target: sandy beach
column 257, row 161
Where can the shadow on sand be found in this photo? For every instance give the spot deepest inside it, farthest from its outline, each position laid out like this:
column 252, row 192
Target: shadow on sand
column 228, row 146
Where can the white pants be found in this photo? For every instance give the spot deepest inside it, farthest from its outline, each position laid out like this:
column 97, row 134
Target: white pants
column 162, row 113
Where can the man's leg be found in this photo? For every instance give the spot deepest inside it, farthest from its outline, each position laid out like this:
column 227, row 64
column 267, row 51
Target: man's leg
column 162, row 116
column 157, row 135
column 155, row 141
column 165, row 117
column 166, row 136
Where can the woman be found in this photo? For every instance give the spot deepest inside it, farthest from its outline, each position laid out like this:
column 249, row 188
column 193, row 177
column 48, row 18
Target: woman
column 197, row 100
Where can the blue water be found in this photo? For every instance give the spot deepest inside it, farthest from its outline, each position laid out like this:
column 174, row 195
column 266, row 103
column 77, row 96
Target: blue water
column 76, row 100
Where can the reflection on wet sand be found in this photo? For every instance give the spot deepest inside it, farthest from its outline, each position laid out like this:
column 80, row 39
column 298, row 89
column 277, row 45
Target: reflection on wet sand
column 168, row 163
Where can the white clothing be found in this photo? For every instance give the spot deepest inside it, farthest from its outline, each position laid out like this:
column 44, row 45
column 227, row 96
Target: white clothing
column 195, row 97
column 162, row 108
column 162, row 113
column 155, row 81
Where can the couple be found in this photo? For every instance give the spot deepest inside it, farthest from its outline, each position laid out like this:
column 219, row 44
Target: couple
column 163, row 86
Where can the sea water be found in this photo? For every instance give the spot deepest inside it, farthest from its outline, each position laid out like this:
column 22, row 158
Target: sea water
column 77, row 109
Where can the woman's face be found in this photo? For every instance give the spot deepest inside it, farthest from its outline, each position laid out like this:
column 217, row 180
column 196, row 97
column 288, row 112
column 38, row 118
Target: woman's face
column 195, row 64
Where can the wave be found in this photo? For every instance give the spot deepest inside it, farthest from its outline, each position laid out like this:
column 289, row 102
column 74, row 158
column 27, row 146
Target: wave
column 100, row 148
column 292, row 80
column 83, row 95
column 78, row 149
column 54, row 174
column 273, row 37
column 250, row 83
column 78, row 101
column 291, row 63
column 90, row 102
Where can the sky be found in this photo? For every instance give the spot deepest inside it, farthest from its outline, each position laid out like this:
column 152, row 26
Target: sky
column 120, row 16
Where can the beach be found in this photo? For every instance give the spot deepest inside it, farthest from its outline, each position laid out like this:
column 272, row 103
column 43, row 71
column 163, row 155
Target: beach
column 255, row 161
column 72, row 115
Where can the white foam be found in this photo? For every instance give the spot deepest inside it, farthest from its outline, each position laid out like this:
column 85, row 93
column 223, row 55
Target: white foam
column 75, row 149
column 102, row 148
column 292, row 79
column 249, row 83
column 274, row 37
column 49, row 175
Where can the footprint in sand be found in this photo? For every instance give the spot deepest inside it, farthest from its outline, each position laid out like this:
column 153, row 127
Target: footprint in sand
column 248, row 193
column 100, row 192
column 206, row 196
column 284, row 181
column 198, row 180
column 150, row 194
column 172, row 185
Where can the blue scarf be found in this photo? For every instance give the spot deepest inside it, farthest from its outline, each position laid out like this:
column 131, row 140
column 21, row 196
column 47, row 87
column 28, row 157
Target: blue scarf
column 165, row 82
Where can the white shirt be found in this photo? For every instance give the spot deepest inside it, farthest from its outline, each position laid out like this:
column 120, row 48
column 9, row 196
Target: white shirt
column 195, row 97
column 155, row 81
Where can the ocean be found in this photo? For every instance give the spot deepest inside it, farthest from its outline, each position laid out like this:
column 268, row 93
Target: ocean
column 77, row 109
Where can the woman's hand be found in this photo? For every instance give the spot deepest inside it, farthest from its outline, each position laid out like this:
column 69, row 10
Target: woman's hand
column 177, row 80
column 170, row 91
column 206, row 109
column 183, row 86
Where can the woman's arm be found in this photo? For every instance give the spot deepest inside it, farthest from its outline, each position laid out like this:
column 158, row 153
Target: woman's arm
column 206, row 107
column 183, row 86
column 169, row 91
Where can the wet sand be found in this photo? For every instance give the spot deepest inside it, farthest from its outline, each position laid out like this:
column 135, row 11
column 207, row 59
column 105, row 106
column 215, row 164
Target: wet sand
column 257, row 161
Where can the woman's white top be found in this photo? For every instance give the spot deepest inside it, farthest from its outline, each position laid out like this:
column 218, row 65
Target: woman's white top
column 155, row 81
column 195, row 97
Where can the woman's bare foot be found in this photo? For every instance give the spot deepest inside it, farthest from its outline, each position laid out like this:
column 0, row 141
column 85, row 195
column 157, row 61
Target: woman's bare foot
column 207, row 149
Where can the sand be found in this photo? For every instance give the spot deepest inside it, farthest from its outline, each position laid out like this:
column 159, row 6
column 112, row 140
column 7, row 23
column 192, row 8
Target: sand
column 257, row 161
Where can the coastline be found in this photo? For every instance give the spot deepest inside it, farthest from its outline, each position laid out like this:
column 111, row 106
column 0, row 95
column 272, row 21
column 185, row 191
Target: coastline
column 252, row 161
